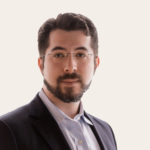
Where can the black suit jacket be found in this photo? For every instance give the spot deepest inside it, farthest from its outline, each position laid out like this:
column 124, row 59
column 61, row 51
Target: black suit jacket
column 32, row 127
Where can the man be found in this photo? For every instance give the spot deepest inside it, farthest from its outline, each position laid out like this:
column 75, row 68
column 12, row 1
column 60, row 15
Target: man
column 55, row 119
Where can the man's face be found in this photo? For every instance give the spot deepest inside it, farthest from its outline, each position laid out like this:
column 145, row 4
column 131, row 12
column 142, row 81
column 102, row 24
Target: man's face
column 68, row 64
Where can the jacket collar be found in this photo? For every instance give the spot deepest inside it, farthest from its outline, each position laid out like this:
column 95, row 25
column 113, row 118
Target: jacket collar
column 59, row 115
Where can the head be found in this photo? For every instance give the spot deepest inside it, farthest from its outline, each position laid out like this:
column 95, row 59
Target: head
column 67, row 22
column 72, row 35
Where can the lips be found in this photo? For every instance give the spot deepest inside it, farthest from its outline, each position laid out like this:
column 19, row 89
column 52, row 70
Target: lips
column 70, row 81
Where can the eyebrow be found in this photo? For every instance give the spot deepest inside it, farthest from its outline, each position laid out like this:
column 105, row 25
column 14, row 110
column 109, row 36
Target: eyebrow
column 62, row 48
column 58, row 48
column 81, row 48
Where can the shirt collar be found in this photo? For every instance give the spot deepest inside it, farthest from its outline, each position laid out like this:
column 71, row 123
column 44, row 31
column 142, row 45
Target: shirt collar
column 60, row 115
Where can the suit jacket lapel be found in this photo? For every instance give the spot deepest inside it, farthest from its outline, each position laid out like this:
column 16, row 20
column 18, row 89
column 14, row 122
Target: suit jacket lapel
column 104, row 133
column 46, row 125
column 98, row 131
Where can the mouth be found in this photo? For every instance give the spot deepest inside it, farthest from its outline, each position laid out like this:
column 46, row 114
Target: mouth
column 70, row 81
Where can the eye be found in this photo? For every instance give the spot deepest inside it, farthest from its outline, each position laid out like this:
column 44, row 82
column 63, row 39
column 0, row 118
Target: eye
column 80, row 55
column 58, row 55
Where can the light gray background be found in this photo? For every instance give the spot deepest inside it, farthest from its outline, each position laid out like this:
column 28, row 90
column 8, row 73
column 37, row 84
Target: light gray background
column 120, row 92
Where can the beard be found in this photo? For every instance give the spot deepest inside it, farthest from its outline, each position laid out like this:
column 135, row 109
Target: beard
column 69, row 95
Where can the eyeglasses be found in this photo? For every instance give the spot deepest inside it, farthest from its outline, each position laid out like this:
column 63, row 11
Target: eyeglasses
column 61, row 57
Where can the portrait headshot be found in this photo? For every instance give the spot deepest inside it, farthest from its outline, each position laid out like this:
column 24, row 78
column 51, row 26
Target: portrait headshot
column 74, row 75
column 55, row 118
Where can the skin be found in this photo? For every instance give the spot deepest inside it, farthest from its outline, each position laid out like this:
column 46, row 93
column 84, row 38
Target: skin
column 70, row 41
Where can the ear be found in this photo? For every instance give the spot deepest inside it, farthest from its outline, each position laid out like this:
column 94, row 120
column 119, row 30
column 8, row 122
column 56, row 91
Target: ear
column 97, row 62
column 41, row 64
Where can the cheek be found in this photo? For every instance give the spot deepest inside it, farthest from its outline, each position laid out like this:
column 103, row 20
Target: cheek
column 50, row 73
column 87, row 73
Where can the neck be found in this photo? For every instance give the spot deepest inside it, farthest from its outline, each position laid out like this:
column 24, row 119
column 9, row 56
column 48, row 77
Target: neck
column 70, row 109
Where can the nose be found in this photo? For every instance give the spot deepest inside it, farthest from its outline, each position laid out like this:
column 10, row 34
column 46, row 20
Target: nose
column 70, row 65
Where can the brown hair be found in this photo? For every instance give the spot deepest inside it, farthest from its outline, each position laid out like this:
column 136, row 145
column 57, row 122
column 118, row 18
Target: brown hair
column 68, row 22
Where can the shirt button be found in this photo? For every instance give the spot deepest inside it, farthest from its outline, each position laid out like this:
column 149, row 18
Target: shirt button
column 80, row 141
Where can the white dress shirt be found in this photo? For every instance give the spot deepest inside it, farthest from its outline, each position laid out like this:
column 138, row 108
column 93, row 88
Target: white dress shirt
column 77, row 131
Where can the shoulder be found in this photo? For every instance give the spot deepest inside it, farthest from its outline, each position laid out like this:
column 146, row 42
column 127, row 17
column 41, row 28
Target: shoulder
column 103, row 129
column 21, row 114
column 14, row 123
column 21, row 119
column 15, row 115
column 11, row 123
column 18, row 118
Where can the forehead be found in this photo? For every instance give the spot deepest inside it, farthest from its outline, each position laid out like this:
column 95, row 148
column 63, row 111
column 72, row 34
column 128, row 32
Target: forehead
column 69, row 39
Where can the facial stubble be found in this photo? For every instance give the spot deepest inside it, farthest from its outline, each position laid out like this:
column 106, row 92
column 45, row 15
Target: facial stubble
column 67, row 94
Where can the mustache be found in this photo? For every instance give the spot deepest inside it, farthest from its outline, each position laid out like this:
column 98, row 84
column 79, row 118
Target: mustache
column 69, row 76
